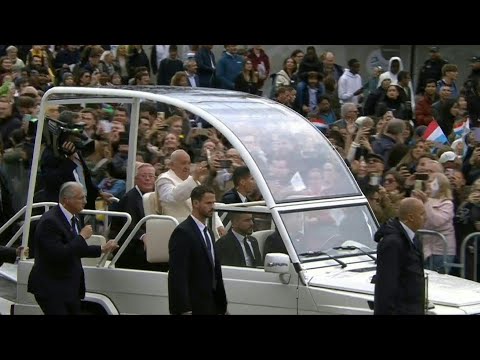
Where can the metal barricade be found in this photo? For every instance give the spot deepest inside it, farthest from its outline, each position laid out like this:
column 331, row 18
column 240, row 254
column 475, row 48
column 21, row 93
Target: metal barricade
column 442, row 237
column 463, row 253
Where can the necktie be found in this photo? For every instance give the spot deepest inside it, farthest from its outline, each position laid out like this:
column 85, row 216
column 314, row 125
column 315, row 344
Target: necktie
column 73, row 223
column 209, row 244
column 210, row 256
column 417, row 243
column 249, row 253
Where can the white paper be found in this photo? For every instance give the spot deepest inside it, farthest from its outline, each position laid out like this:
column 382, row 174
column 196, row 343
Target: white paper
column 297, row 182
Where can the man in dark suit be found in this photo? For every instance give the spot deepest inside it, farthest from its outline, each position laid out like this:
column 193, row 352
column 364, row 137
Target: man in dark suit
column 400, row 282
column 244, row 184
column 190, row 66
column 195, row 283
column 206, row 66
column 134, row 256
column 238, row 247
column 168, row 66
column 57, row 279
column 68, row 165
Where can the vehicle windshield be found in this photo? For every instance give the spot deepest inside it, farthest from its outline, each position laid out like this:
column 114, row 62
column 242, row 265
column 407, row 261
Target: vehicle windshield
column 296, row 160
column 336, row 231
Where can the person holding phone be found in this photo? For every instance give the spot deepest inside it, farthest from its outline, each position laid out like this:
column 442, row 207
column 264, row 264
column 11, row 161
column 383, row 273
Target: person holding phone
column 439, row 209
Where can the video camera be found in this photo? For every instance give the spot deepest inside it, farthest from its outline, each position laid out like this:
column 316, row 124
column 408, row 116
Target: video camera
column 65, row 129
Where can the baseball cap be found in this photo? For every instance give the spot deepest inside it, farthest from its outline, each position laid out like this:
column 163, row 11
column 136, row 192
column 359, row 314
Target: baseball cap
column 447, row 156
column 434, row 49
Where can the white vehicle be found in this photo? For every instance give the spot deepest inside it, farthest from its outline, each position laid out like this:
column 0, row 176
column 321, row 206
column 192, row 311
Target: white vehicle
column 310, row 197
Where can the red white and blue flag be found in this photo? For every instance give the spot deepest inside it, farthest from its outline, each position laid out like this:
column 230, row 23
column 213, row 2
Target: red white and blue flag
column 434, row 133
column 320, row 124
column 462, row 128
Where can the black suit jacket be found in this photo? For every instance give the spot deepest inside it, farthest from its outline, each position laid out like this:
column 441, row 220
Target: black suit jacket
column 231, row 252
column 205, row 71
column 7, row 254
column 57, row 272
column 190, row 279
column 197, row 80
column 232, row 197
column 399, row 281
column 134, row 256
column 58, row 170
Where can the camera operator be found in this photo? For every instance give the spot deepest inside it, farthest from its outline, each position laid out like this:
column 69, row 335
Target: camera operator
column 63, row 159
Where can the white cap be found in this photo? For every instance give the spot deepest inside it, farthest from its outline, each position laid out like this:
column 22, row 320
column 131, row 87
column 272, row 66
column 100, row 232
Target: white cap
column 447, row 156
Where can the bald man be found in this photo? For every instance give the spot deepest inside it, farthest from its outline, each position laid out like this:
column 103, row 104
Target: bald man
column 400, row 282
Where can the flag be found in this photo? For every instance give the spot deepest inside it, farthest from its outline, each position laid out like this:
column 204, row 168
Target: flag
column 434, row 133
column 320, row 124
column 459, row 130
column 462, row 128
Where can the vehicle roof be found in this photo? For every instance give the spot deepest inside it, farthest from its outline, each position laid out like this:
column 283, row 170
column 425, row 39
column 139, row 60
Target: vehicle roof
column 290, row 159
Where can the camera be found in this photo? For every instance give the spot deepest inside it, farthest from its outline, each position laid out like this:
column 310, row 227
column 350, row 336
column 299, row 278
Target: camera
column 224, row 164
column 60, row 132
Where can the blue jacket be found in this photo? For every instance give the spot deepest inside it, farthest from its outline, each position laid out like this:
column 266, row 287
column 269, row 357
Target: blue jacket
column 228, row 68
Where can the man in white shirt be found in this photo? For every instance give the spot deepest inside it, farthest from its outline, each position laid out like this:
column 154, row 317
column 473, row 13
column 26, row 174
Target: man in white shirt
column 350, row 85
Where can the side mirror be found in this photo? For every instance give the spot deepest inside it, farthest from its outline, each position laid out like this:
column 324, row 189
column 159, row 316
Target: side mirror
column 277, row 263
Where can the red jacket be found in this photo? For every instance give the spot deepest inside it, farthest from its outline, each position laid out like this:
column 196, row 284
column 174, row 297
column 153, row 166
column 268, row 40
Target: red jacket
column 423, row 111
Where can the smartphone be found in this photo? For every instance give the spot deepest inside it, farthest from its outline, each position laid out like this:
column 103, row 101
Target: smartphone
column 419, row 185
column 204, row 132
column 224, row 164
column 209, row 158
column 421, row 176
column 106, row 126
column 374, row 180
column 420, row 179
column 161, row 115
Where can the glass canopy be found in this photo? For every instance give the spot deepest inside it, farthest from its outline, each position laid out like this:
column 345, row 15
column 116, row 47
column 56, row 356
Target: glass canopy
column 296, row 161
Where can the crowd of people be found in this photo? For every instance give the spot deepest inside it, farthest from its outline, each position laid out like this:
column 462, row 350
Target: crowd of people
column 379, row 125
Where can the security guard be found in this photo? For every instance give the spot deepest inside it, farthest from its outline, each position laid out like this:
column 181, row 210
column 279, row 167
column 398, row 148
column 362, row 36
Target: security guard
column 432, row 69
column 471, row 84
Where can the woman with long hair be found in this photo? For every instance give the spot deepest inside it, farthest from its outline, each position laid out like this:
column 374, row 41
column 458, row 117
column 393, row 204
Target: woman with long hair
column 287, row 76
column 440, row 212
column 247, row 80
